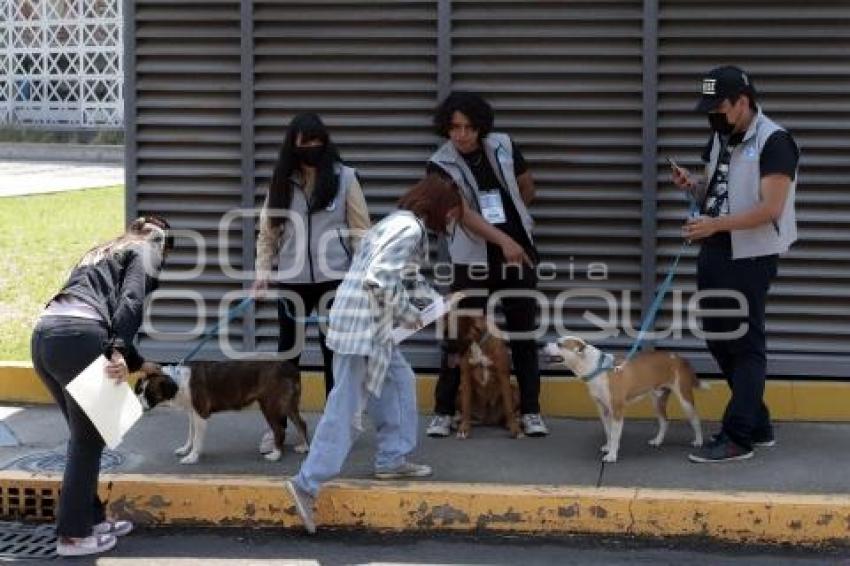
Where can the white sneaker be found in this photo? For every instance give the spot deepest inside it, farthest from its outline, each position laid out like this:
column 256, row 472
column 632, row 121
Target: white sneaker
column 440, row 426
column 94, row 544
column 303, row 502
column 533, row 425
column 405, row 471
column 114, row 528
column 267, row 443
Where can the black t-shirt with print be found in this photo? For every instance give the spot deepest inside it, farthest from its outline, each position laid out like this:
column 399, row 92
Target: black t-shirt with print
column 488, row 180
column 778, row 156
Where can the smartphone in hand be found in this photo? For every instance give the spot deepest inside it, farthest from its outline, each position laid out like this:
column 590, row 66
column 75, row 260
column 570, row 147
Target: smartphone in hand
column 673, row 164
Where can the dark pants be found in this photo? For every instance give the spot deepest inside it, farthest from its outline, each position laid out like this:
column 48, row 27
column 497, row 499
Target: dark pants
column 61, row 348
column 743, row 360
column 520, row 316
column 311, row 295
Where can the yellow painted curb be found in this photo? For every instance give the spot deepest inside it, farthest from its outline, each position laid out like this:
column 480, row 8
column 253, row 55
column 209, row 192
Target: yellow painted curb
column 431, row 506
column 798, row 400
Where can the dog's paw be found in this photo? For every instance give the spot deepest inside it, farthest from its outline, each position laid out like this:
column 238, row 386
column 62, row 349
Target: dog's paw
column 604, row 448
column 656, row 442
column 609, row 458
column 462, row 434
column 697, row 443
column 302, row 448
column 191, row 458
column 274, row 455
column 183, row 450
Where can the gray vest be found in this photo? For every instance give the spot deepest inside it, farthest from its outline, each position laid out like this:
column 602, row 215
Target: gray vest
column 464, row 247
column 744, row 193
column 328, row 255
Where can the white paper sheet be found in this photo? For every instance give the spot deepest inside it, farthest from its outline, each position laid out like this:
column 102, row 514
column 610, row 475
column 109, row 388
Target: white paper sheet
column 429, row 314
column 111, row 406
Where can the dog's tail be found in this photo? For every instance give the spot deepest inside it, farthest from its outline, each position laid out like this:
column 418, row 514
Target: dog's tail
column 688, row 370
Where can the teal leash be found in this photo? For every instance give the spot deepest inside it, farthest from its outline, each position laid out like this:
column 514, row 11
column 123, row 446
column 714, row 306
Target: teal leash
column 649, row 319
column 214, row 329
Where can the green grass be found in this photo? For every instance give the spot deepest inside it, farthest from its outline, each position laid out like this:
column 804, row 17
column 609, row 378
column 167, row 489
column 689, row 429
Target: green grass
column 41, row 238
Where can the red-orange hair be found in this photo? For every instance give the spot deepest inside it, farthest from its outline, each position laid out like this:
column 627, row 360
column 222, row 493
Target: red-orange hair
column 431, row 199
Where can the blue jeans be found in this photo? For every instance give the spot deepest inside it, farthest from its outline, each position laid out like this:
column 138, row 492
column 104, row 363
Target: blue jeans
column 393, row 413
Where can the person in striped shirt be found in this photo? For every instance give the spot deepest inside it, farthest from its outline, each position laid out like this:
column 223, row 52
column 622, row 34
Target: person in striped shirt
column 371, row 374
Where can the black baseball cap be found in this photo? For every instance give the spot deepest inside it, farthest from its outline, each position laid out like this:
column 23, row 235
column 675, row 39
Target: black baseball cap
column 722, row 83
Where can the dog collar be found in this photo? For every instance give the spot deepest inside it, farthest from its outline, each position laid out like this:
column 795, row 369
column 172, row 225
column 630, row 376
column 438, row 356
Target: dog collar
column 606, row 362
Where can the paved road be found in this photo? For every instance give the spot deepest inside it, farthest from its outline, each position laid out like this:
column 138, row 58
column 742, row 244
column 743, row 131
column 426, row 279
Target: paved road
column 22, row 178
column 229, row 547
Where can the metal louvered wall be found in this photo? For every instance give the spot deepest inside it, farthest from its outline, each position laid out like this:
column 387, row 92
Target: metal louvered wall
column 370, row 70
column 184, row 146
column 211, row 86
column 798, row 57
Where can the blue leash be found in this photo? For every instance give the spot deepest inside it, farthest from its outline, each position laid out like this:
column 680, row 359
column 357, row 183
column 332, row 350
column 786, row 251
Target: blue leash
column 209, row 333
column 312, row 319
column 649, row 320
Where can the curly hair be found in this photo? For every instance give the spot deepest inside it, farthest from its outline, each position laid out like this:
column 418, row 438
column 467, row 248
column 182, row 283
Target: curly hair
column 471, row 105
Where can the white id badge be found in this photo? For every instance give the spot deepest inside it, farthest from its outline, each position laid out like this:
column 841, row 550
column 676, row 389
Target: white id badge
column 491, row 207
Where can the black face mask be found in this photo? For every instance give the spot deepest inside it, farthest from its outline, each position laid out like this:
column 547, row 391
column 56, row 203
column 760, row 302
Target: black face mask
column 310, row 156
column 719, row 123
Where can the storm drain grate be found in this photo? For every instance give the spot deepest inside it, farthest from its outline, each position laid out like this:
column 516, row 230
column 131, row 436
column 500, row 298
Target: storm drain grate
column 20, row 502
column 26, row 542
column 42, row 462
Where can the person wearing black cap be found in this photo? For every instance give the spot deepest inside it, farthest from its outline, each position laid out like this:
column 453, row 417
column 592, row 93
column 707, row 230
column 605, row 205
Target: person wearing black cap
column 746, row 220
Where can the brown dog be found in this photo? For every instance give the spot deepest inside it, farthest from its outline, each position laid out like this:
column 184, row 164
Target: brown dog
column 204, row 388
column 486, row 394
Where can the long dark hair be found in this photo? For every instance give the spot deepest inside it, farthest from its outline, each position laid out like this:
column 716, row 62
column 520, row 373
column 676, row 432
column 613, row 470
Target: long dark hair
column 431, row 199
column 311, row 128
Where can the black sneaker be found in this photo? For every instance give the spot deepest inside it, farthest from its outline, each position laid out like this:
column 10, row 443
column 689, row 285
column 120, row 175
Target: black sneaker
column 720, row 449
column 764, row 440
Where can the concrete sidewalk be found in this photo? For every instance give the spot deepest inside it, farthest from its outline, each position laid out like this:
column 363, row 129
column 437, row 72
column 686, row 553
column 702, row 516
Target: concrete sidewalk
column 18, row 178
column 796, row 491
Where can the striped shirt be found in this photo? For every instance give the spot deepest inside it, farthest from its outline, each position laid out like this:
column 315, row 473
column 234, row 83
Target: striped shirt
column 378, row 293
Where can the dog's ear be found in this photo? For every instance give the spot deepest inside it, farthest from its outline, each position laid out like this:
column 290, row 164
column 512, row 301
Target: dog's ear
column 465, row 324
column 573, row 343
column 168, row 388
column 150, row 368
column 140, row 386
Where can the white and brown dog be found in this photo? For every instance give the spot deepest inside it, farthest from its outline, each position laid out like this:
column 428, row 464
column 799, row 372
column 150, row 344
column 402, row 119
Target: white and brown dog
column 204, row 388
column 614, row 386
